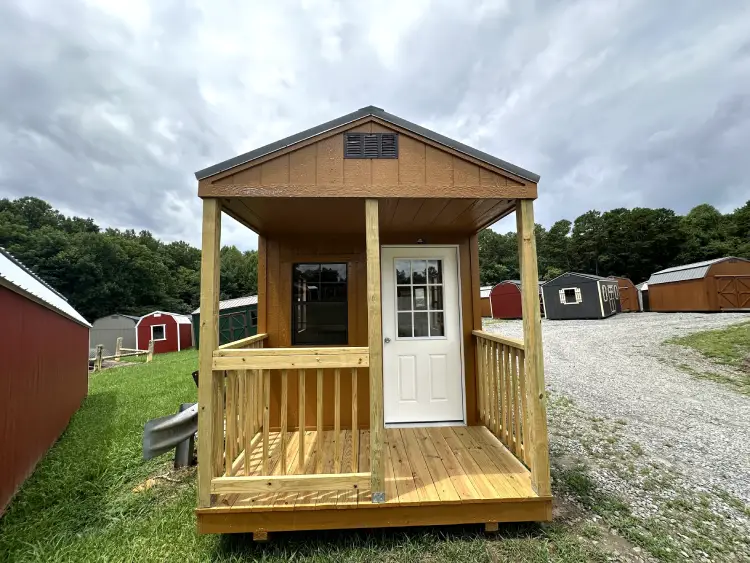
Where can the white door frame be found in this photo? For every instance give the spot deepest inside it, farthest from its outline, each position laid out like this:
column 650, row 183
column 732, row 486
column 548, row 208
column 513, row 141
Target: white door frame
column 460, row 340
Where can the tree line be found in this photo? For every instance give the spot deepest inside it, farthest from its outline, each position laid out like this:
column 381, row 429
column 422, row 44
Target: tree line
column 632, row 243
column 104, row 271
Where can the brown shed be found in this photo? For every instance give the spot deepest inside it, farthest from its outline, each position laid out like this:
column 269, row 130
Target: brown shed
column 628, row 294
column 721, row 284
column 43, row 371
column 370, row 384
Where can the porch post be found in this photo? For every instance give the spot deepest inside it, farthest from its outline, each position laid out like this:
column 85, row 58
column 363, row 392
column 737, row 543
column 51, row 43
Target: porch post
column 532, row 337
column 208, row 385
column 375, row 342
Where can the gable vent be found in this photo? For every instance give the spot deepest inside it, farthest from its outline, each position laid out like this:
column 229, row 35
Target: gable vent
column 371, row 145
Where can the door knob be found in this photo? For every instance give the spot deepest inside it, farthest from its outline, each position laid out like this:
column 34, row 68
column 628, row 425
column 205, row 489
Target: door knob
column 387, row 340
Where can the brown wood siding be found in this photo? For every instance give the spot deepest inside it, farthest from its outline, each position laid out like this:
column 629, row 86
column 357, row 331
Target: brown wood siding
column 694, row 295
column 281, row 253
column 43, row 377
column 628, row 294
column 689, row 295
column 319, row 169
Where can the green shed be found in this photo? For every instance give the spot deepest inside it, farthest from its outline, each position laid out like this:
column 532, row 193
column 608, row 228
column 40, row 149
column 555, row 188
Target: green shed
column 238, row 318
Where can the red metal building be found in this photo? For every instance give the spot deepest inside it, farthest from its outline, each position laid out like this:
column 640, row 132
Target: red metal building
column 44, row 353
column 170, row 332
column 505, row 300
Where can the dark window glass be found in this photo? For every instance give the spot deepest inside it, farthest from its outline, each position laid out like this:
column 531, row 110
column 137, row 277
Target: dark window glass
column 157, row 332
column 253, row 318
column 319, row 304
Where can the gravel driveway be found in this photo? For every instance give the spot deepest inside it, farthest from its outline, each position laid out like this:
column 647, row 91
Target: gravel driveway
column 618, row 368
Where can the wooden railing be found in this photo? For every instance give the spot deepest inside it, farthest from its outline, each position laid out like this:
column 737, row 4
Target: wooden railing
column 502, row 391
column 250, row 370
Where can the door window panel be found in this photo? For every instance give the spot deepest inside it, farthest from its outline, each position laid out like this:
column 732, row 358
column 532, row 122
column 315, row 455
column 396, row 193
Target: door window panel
column 419, row 298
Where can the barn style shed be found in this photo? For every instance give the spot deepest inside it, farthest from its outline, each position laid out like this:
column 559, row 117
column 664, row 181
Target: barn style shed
column 238, row 318
column 721, row 284
column 171, row 332
column 370, row 396
column 643, row 296
column 580, row 296
column 43, row 370
column 628, row 294
column 484, row 300
column 106, row 331
column 506, row 299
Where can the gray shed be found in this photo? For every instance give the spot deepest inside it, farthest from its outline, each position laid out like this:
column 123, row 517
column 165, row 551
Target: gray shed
column 107, row 330
column 580, row 296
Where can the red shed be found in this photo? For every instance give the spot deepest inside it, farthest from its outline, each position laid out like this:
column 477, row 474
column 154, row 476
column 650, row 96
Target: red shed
column 170, row 332
column 43, row 372
column 505, row 300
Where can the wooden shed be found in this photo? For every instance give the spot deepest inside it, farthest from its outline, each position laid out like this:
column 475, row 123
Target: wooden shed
column 721, row 284
column 574, row 295
column 370, row 396
column 43, row 371
column 628, row 294
column 238, row 319
column 171, row 332
column 106, row 331
column 484, row 301
column 506, row 300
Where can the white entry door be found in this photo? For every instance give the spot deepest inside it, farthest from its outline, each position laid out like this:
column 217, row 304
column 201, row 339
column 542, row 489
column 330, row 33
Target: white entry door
column 422, row 363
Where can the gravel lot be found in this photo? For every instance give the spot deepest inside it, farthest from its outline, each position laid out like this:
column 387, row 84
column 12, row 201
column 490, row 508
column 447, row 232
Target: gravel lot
column 649, row 432
column 618, row 367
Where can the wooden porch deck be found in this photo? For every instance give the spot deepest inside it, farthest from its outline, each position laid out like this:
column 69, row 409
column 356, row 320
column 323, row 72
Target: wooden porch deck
column 445, row 475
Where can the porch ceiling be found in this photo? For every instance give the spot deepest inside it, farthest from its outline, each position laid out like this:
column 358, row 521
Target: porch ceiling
column 347, row 215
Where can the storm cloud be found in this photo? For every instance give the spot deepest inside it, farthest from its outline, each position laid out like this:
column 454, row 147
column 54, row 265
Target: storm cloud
column 107, row 108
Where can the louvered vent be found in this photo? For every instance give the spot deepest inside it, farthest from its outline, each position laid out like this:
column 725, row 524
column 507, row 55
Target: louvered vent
column 370, row 145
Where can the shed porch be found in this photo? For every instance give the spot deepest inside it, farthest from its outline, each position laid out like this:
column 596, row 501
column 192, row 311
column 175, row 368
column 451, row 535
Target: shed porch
column 368, row 297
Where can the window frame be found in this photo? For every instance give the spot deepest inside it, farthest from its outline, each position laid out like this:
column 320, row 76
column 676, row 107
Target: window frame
column 294, row 304
column 164, row 328
column 577, row 294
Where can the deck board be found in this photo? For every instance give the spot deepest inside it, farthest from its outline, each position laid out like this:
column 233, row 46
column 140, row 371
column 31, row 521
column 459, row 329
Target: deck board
column 423, row 466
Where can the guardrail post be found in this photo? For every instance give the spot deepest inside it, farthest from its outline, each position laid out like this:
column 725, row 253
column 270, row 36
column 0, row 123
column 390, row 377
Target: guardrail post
column 98, row 360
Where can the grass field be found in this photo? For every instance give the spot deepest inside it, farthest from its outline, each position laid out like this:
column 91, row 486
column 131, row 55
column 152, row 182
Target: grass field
column 730, row 347
column 93, row 498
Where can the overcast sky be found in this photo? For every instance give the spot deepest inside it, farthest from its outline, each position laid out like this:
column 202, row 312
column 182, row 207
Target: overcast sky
column 107, row 107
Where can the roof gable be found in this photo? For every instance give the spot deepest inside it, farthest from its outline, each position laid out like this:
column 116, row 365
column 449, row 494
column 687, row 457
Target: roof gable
column 694, row 271
column 23, row 281
column 361, row 116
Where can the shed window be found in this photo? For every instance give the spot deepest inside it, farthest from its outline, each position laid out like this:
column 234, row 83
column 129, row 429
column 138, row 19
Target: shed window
column 370, row 145
column 570, row 296
column 319, row 304
column 158, row 332
column 253, row 318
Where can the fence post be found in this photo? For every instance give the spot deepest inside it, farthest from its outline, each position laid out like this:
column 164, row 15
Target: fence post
column 150, row 355
column 98, row 360
column 118, row 346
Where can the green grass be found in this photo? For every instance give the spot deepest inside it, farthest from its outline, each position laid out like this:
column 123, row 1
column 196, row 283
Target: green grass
column 80, row 504
column 729, row 346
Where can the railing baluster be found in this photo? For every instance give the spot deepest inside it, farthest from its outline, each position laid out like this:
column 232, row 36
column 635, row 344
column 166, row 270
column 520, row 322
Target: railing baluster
column 319, row 424
column 249, row 416
column 241, row 413
column 266, row 416
column 301, row 416
column 498, row 402
column 516, row 401
column 508, row 389
column 284, row 397
column 526, row 429
column 337, row 421
column 355, row 432
column 230, row 442
column 480, row 381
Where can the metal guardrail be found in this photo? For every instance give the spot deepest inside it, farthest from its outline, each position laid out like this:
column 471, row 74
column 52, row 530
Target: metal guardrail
column 176, row 431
